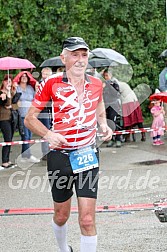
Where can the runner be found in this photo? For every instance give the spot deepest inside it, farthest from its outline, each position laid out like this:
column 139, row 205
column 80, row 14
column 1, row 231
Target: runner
column 74, row 158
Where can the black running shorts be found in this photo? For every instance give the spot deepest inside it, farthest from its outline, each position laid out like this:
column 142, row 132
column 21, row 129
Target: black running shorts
column 62, row 179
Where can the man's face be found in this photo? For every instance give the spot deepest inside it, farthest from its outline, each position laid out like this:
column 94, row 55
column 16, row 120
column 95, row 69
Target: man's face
column 76, row 61
column 45, row 74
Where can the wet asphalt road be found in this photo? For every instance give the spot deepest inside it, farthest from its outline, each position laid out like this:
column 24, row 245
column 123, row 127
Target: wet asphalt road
column 130, row 175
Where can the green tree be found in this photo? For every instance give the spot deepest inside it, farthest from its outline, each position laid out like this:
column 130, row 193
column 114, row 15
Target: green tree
column 137, row 29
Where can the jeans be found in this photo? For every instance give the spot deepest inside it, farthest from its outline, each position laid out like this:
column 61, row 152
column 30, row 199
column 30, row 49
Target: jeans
column 7, row 132
column 45, row 119
column 27, row 136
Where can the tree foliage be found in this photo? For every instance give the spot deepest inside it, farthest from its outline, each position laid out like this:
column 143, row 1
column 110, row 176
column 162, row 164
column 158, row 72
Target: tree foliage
column 35, row 30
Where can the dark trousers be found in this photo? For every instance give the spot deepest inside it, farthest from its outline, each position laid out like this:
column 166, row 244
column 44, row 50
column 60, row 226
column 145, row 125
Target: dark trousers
column 112, row 115
column 7, row 133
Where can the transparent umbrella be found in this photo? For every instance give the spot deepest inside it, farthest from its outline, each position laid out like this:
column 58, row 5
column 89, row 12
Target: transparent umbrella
column 110, row 54
column 163, row 54
column 116, row 62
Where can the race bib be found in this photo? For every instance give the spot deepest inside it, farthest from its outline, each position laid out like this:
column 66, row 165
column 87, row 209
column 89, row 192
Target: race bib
column 83, row 159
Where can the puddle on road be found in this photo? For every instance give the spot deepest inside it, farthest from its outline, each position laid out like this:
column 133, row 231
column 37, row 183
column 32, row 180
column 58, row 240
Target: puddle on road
column 151, row 162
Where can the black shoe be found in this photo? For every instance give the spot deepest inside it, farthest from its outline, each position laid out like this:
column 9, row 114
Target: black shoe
column 71, row 249
column 133, row 137
column 143, row 137
column 8, row 166
column 44, row 158
column 127, row 138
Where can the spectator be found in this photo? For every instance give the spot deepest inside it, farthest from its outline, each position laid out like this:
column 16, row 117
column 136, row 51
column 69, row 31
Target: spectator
column 45, row 114
column 111, row 94
column 158, row 123
column 6, row 94
column 27, row 95
column 163, row 87
column 60, row 69
column 163, row 79
column 131, row 110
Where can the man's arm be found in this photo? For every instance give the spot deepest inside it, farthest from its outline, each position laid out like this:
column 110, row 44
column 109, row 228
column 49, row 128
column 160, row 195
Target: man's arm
column 101, row 118
column 31, row 122
column 101, row 113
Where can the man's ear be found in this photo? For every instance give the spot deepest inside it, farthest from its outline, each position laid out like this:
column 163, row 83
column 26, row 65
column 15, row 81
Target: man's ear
column 62, row 58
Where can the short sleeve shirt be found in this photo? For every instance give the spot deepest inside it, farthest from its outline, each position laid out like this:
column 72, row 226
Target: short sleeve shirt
column 75, row 121
column 26, row 98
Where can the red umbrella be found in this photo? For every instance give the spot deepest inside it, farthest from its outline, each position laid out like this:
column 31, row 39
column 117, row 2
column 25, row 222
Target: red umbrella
column 159, row 96
column 32, row 80
column 9, row 63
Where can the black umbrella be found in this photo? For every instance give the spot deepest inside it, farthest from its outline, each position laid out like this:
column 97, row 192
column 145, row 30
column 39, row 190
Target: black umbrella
column 100, row 62
column 163, row 54
column 52, row 62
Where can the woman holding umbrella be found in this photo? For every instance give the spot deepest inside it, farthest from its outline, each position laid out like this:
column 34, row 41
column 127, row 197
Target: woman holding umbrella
column 7, row 91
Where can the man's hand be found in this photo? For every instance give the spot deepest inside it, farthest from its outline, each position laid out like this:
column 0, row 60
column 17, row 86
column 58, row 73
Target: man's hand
column 56, row 140
column 106, row 132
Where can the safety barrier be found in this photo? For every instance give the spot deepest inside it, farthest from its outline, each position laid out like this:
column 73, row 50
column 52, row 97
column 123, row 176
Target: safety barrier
column 99, row 209
column 120, row 132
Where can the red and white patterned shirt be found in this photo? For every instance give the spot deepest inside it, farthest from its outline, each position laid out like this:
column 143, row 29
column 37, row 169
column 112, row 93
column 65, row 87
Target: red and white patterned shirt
column 75, row 121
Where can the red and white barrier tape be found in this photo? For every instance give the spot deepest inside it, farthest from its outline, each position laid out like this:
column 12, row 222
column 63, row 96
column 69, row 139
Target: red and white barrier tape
column 134, row 131
column 99, row 209
column 23, row 142
column 120, row 132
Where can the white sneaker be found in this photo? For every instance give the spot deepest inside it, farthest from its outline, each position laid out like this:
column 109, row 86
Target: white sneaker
column 33, row 159
column 23, row 160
